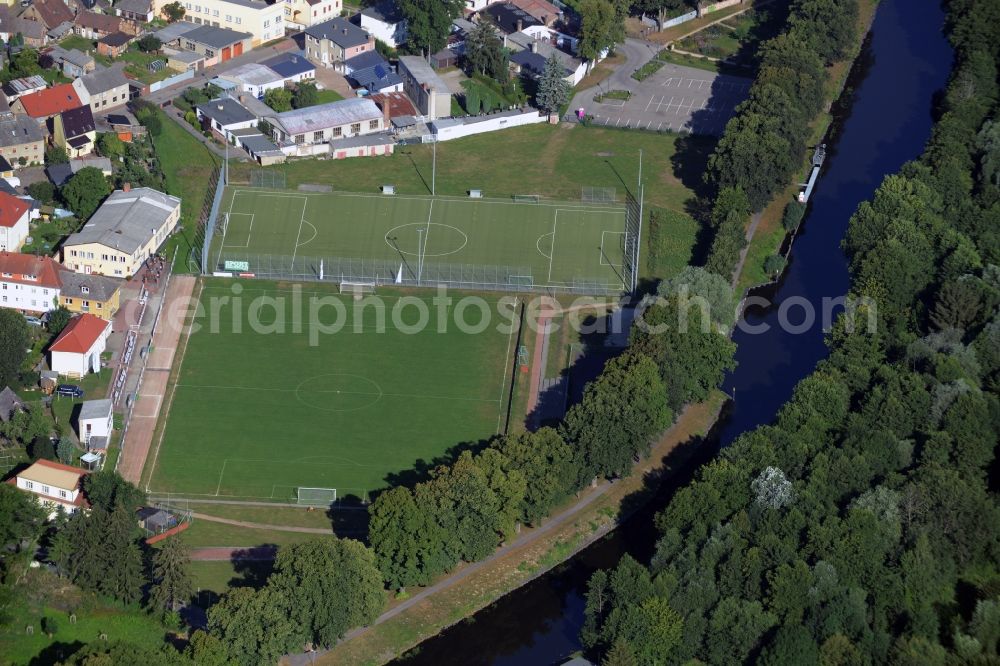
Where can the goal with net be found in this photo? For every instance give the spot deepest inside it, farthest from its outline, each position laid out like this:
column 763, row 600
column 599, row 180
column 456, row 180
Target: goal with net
column 358, row 289
column 525, row 198
column 315, row 496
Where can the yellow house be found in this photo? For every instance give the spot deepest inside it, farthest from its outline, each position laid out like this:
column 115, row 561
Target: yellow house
column 97, row 294
column 261, row 19
column 74, row 130
column 127, row 229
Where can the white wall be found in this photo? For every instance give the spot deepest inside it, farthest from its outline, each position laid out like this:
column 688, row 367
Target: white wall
column 98, row 428
column 493, row 124
column 27, row 297
column 12, row 238
column 391, row 34
column 78, row 365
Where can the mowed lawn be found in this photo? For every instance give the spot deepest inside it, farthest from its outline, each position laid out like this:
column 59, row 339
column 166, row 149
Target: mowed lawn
column 545, row 243
column 556, row 162
column 258, row 410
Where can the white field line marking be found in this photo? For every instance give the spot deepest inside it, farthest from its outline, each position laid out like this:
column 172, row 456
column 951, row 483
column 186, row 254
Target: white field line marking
column 603, row 253
column 222, row 245
column 302, row 219
column 506, row 369
column 222, row 473
column 555, row 222
column 249, row 230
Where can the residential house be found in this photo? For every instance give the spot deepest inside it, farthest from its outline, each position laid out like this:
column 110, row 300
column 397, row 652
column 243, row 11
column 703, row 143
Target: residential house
column 216, row 44
column 97, row 294
column 301, row 14
column 127, row 229
column 263, row 20
column 362, row 61
column 29, row 283
column 546, row 12
column 73, row 62
column 55, row 486
column 14, row 215
column 49, row 13
column 59, row 174
column 47, row 103
column 21, row 138
column 24, row 86
column 92, row 25
column 379, row 77
column 75, row 131
column 77, row 351
column 10, row 404
column 222, row 116
column 337, row 40
column 326, row 122
column 102, row 164
column 104, row 89
column 532, row 59
column 430, row 94
column 510, row 18
column 115, row 44
column 96, row 420
column 254, row 78
column 61, row 31
column 34, row 34
column 140, row 11
column 291, row 66
column 185, row 60
column 385, row 22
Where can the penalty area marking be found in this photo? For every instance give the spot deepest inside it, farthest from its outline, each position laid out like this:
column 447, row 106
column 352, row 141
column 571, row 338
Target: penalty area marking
column 604, row 244
column 225, row 236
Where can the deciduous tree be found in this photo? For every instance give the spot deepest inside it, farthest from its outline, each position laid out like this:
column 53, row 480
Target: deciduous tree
column 85, row 191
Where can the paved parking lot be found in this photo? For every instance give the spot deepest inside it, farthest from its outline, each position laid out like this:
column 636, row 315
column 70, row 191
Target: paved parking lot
column 675, row 98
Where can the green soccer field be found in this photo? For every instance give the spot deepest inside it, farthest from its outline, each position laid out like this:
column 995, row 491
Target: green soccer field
column 255, row 415
column 427, row 240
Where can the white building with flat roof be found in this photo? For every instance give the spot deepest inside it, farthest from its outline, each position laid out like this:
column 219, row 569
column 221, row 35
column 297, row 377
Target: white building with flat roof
column 326, row 122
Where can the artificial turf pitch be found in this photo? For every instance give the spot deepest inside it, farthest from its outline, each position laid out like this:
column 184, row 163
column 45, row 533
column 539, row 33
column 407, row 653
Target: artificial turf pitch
column 547, row 244
column 254, row 415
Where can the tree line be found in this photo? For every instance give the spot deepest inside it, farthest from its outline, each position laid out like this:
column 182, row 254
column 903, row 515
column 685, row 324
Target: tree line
column 465, row 510
column 863, row 525
column 763, row 144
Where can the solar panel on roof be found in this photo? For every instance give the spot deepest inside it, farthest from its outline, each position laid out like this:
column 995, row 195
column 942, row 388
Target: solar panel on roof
column 380, row 71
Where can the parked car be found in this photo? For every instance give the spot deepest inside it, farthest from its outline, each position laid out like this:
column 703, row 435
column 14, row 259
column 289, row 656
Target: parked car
column 32, row 321
column 69, row 390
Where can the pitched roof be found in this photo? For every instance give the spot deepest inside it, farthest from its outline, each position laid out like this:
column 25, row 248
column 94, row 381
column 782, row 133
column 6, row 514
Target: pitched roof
column 53, row 474
column 126, row 220
column 375, row 78
column 80, row 334
column 340, row 31
column 252, row 74
column 18, row 129
column 105, row 79
column 52, row 12
column 174, row 31
column 77, row 122
column 98, row 22
column 288, row 65
column 8, row 403
column 365, row 59
column 510, row 18
column 59, row 173
column 134, row 6
column 322, row 116
column 116, row 39
column 399, row 104
column 540, row 9
column 50, row 101
column 226, row 111
column 99, row 287
column 386, row 12
column 12, row 210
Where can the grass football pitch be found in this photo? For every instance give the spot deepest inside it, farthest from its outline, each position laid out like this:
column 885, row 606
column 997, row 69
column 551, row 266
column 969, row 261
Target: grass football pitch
column 557, row 245
column 255, row 415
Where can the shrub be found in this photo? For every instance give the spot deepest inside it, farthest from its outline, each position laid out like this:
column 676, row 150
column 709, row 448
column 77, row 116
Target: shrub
column 793, row 215
column 774, row 264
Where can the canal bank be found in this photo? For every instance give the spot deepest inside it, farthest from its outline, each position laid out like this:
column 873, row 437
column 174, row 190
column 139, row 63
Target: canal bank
column 886, row 122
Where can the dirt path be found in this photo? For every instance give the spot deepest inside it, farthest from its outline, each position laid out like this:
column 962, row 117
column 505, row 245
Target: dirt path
column 153, row 386
column 751, row 230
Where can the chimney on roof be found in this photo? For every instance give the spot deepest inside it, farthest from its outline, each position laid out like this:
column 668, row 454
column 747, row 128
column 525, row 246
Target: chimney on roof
column 534, row 46
column 520, row 25
column 126, row 187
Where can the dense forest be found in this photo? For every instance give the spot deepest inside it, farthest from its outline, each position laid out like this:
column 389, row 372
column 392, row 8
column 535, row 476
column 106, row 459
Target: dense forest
column 863, row 526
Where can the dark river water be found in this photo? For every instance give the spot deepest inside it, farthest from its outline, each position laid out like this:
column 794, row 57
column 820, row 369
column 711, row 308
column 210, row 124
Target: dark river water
column 883, row 122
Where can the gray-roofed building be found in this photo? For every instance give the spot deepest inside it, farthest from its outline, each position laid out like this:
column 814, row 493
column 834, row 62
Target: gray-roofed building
column 428, row 91
column 259, row 147
column 95, row 420
column 185, row 60
column 337, row 40
column 215, row 42
column 97, row 294
column 291, row 66
column 324, row 122
column 59, row 174
column 126, row 230
column 224, row 115
column 381, row 78
column 135, row 10
column 9, row 403
column 24, row 86
column 20, row 138
column 75, row 131
column 385, row 22
column 72, row 62
column 60, row 31
column 536, row 52
column 254, row 78
column 104, row 88
column 102, row 163
column 174, row 31
column 363, row 61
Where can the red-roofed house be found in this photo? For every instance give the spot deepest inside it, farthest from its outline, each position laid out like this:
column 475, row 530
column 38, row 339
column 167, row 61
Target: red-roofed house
column 78, row 348
column 13, row 222
column 49, row 13
column 54, row 485
column 29, row 283
column 46, row 103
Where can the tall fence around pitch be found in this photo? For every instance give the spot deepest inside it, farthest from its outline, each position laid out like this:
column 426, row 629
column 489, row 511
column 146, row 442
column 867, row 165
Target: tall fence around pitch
column 208, row 219
column 407, row 274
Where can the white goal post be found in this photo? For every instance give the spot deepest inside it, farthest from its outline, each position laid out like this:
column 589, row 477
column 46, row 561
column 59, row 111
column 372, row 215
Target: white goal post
column 315, row 496
column 357, row 288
